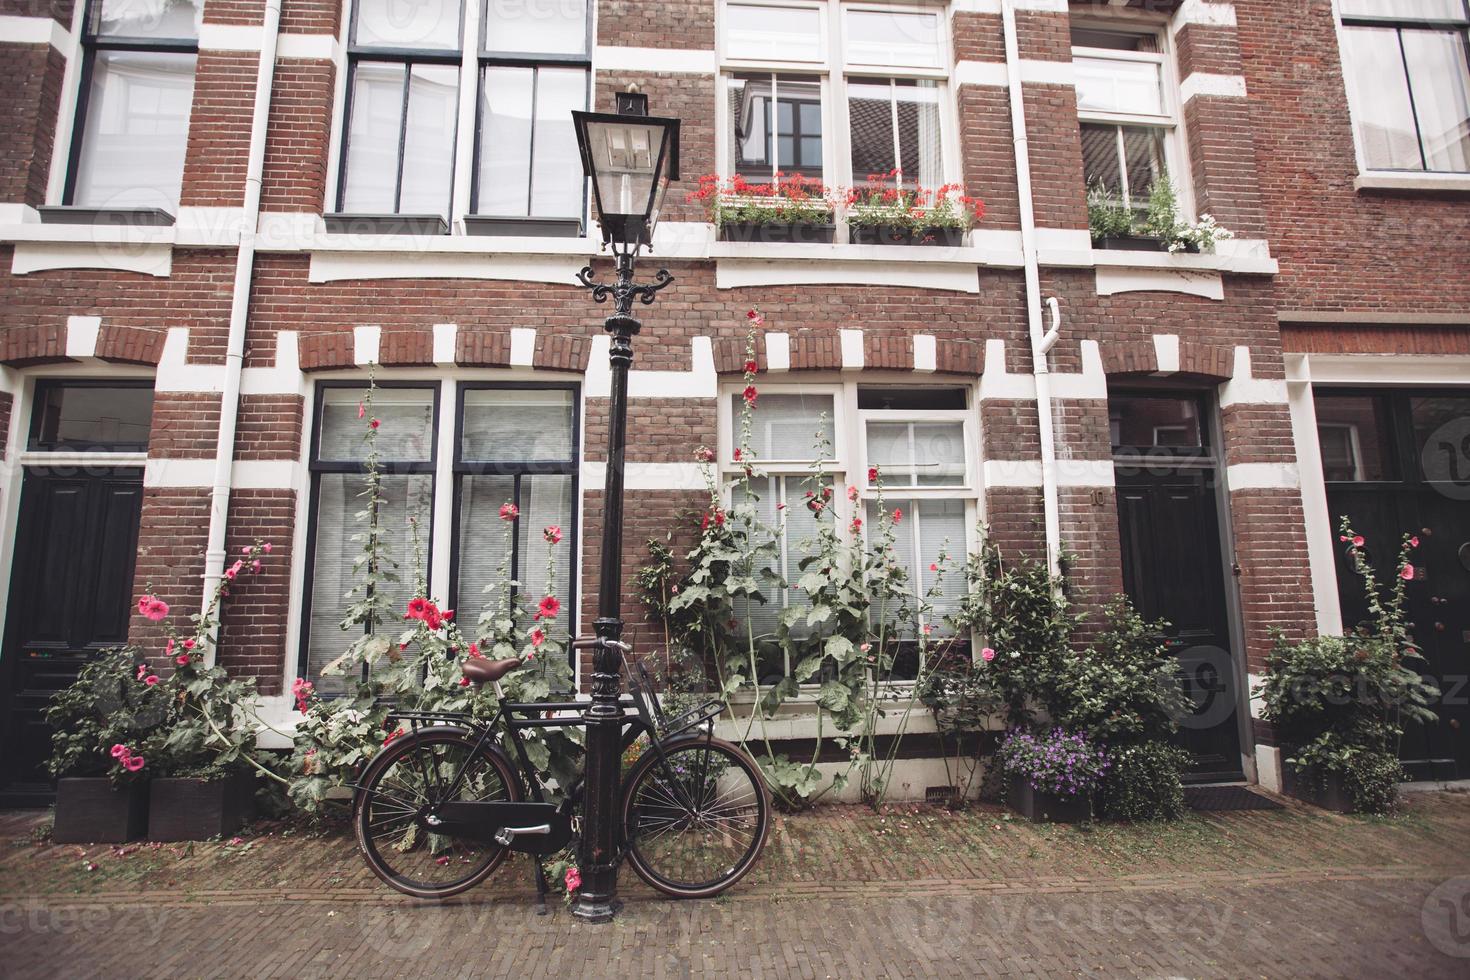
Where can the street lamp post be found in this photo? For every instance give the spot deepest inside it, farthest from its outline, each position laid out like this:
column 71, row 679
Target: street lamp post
column 630, row 158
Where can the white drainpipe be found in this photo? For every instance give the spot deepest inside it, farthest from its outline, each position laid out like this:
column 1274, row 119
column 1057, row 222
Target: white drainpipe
column 219, row 500
column 1041, row 341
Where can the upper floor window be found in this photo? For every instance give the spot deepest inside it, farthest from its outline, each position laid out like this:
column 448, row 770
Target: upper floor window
column 835, row 91
column 1407, row 65
column 1126, row 110
column 403, row 133
column 136, row 91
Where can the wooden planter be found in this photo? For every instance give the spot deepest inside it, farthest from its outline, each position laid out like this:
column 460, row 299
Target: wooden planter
column 1319, row 789
column 1136, row 243
column 196, row 809
column 90, row 810
column 1039, row 807
column 788, row 233
column 892, row 235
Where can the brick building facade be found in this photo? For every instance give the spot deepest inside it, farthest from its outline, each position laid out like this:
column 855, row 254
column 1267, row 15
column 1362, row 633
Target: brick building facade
column 360, row 202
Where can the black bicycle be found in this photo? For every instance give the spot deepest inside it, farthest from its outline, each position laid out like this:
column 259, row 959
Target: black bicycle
column 439, row 808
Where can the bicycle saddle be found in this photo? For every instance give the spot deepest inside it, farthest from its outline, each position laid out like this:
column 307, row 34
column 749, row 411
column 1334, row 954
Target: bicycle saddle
column 481, row 671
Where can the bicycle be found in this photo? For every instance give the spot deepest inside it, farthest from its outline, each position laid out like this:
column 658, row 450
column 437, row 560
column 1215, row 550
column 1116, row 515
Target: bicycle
column 438, row 809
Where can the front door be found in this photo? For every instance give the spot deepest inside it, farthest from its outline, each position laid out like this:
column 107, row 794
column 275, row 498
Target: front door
column 71, row 589
column 1396, row 463
column 1173, row 569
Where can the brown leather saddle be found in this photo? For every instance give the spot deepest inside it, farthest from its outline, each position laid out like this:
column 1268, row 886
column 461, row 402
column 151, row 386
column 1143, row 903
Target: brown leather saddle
column 482, row 671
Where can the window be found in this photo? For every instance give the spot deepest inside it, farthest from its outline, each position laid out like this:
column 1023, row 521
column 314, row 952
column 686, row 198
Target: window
column 1128, row 123
column 1396, row 436
column 921, row 439
column 137, row 88
column 518, row 445
column 1407, row 64
column 867, row 97
column 403, row 99
column 1355, row 434
column 402, row 127
column 513, row 443
column 534, row 67
column 82, row 416
column 1145, row 424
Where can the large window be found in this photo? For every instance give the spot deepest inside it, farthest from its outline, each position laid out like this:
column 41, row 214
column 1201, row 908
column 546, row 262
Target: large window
column 402, row 133
column 137, row 88
column 920, row 439
column 1126, row 112
column 835, row 91
column 1407, row 64
column 513, row 444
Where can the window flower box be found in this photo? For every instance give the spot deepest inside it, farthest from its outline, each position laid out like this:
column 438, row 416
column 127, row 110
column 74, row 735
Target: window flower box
column 1323, row 788
column 902, row 235
column 1051, row 776
column 92, row 810
column 1039, row 806
column 789, row 209
column 1139, row 243
column 785, row 232
column 199, row 809
column 884, row 212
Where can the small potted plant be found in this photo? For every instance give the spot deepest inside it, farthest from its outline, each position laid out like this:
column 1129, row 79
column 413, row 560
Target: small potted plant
column 108, row 725
column 883, row 212
column 1052, row 775
column 789, row 209
column 1114, row 225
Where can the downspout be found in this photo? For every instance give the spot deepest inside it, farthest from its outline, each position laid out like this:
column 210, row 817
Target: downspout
column 224, row 453
column 1041, row 340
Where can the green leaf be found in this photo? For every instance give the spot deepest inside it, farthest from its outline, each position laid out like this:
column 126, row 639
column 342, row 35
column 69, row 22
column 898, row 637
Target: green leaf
column 834, row 696
column 840, row 649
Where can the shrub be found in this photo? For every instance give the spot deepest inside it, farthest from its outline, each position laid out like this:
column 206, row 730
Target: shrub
column 1059, row 762
column 109, row 705
column 1143, row 782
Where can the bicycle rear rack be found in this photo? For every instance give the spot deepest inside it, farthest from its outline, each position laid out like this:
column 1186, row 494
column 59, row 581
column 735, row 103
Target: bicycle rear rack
column 669, row 727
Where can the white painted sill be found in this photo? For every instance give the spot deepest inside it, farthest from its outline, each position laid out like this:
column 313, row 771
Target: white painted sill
column 1383, row 180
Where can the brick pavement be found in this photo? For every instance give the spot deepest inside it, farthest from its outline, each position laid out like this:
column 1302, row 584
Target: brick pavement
column 842, row 893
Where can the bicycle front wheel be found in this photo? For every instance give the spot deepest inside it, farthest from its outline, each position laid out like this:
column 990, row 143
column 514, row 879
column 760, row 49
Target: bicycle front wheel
column 399, row 787
column 696, row 816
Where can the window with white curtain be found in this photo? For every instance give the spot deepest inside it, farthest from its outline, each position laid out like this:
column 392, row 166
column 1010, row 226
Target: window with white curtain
column 835, row 91
column 137, row 89
column 517, row 445
column 405, row 440
column 919, row 438
column 1126, row 111
column 1407, row 66
column 514, row 443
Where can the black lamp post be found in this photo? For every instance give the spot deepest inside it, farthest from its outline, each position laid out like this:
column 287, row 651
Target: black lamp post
column 630, row 157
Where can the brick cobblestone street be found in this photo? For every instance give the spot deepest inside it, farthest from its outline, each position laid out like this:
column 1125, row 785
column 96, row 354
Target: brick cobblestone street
column 843, row 892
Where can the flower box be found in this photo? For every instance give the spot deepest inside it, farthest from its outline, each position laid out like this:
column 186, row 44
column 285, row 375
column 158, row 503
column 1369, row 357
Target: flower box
column 899, row 235
column 1323, row 789
column 198, row 809
column 90, row 810
column 1040, row 807
column 1137, row 243
column 784, row 232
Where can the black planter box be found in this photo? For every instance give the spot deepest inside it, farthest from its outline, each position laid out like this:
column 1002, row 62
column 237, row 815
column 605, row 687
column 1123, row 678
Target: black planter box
column 1319, row 789
column 92, row 811
column 195, row 809
column 891, row 235
column 1137, row 243
column 1039, row 807
column 796, row 232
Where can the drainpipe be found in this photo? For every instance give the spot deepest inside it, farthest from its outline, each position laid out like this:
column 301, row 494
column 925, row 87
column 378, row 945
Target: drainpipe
column 1041, row 340
column 219, row 499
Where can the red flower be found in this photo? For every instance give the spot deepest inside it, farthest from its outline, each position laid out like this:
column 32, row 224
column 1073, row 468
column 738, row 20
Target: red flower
column 754, row 316
column 396, row 734
column 448, row 615
column 737, row 454
column 751, row 367
column 704, row 454
column 933, row 567
column 719, row 518
column 1414, row 542
column 538, row 636
column 549, row 607
column 153, row 607
column 374, row 423
column 897, row 515
column 552, row 534
column 704, row 524
column 872, row 474
column 475, row 649
column 361, row 409
column 464, row 682
column 509, row 512
column 1358, row 541
column 1407, row 573
column 749, row 394
column 857, row 525
column 417, row 608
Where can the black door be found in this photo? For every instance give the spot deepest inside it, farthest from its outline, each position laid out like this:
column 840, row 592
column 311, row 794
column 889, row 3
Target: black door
column 1399, row 463
column 71, row 590
column 1173, row 569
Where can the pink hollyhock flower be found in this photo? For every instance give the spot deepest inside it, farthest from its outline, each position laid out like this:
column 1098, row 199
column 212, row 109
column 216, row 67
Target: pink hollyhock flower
column 245, row 551
column 704, row 454
column 897, row 514
column 374, row 423
column 755, row 317
column 928, row 629
column 552, row 534
column 361, row 409
column 857, row 525
column 987, row 654
column 168, row 647
column 153, row 607
column 475, row 649
column 538, row 636
column 1343, row 538
column 852, row 494
column 133, row 763
column 142, row 671
column 120, row 751
column 866, row 647
column 189, row 643
column 1407, row 574
column 933, row 567
column 509, row 512
column 266, row 547
column 151, row 679
column 530, row 657
column 417, row 607
column 549, row 607
column 1414, row 541
column 182, row 660
column 255, row 565
column 780, row 506
column 574, row 879
column 1358, row 541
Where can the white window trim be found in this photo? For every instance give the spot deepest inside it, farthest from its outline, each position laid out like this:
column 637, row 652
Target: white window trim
column 969, row 488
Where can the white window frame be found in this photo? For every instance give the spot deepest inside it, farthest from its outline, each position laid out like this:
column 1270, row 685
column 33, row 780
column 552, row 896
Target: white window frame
column 1170, row 121
column 832, row 72
column 1409, row 179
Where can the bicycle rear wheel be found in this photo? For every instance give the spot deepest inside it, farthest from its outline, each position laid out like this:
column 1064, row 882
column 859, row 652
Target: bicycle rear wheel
column 399, row 786
column 696, row 818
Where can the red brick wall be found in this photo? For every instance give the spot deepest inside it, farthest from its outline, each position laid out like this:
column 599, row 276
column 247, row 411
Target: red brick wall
column 219, row 129
column 1335, row 338
column 7, row 402
column 254, row 623
column 295, row 174
column 30, row 90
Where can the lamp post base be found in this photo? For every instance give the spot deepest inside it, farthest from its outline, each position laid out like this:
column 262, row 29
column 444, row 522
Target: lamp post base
column 594, row 908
